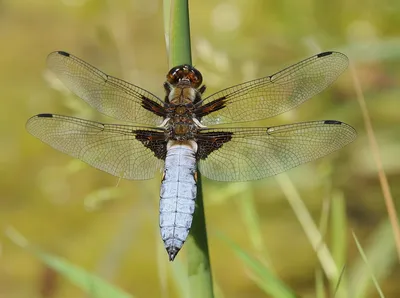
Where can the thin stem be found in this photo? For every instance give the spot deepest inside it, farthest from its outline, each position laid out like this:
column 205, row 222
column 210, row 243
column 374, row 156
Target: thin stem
column 179, row 51
column 177, row 33
column 391, row 209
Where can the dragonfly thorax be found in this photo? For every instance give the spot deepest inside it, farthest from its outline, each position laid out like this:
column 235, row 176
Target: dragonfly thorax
column 180, row 125
column 182, row 94
column 180, row 111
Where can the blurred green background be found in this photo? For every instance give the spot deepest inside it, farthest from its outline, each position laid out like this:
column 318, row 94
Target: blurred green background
column 111, row 228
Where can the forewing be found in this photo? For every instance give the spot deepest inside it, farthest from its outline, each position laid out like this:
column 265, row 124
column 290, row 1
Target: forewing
column 275, row 94
column 109, row 95
column 125, row 151
column 241, row 154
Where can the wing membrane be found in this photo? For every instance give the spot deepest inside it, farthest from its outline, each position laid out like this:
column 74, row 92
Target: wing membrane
column 255, row 153
column 109, row 95
column 275, row 94
column 115, row 149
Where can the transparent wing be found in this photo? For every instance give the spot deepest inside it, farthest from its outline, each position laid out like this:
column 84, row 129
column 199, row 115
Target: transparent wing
column 275, row 94
column 120, row 150
column 242, row 154
column 109, row 95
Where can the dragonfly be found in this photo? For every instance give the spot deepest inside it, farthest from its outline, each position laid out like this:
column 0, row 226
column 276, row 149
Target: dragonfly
column 180, row 134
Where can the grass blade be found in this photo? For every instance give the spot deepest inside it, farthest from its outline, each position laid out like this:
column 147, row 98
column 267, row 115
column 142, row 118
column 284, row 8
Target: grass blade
column 319, row 284
column 309, row 227
column 365, row 259
column 391, row 209
column 89, row 283
column 381, row 255
column 264, row 277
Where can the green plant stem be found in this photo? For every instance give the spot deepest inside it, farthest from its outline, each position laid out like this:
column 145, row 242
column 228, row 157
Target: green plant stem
column 178, row 43
column 200, row 278
column 177, row 32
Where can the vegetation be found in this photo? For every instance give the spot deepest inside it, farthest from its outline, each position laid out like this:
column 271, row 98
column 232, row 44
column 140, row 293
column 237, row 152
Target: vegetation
column 334, row 236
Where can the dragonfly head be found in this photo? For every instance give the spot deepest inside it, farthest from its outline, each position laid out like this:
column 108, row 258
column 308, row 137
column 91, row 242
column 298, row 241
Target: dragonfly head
column 185, row 73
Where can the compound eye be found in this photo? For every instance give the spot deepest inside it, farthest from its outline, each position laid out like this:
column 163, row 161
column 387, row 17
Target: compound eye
column 195, row 77
column 186, row 72
column 174, row 74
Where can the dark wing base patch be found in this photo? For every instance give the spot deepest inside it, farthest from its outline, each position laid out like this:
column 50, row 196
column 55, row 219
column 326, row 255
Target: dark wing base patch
column 210, row 107
column 211, row 141
column 155, row 141
column 154, row 107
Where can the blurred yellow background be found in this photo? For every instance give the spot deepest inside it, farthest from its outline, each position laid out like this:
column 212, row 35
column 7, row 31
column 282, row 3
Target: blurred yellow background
column 111, row 228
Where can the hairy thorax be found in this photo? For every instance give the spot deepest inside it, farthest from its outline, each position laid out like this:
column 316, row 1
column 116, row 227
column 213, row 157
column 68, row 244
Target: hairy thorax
column 181, row 124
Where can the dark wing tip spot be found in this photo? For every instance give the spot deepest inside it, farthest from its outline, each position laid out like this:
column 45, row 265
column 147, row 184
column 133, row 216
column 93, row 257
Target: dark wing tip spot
column 63, row 53
column 45, row 115
column 332, row 122
column 324, row 54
